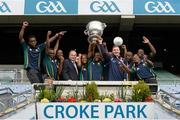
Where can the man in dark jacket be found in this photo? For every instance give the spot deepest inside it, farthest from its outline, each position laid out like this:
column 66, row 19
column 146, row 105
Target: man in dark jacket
column 70, row 69
column 116, row 66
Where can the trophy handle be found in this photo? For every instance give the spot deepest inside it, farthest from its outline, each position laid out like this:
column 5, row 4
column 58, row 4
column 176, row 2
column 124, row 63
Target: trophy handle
column 86, row 32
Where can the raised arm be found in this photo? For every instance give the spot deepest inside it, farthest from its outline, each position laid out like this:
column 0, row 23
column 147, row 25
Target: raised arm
column 53, row 38
column 60, row 34
column 79, row 60
column 91, row 50
column 152, row 48
column 103, row 49
column 148, row 62
column 125, row 50
column 48, row 41
column 21, row 33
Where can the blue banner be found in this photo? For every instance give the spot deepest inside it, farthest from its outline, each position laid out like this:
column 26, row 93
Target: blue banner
column 51, row 7
column 89, row 7
column 156, row 7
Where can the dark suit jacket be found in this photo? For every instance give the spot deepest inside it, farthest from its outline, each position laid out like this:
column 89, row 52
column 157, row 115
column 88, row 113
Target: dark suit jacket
column 69, row 71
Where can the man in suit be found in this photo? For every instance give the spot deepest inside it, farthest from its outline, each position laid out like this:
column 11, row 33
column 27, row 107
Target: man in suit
column 70, row 68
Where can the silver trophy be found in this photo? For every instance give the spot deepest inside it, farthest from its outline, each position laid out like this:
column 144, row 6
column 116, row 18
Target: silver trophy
column 94, row 29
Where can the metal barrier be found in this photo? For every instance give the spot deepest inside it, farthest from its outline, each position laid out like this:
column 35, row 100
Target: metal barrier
column 168, row 101
column 104, row 85
column 99, row 83
column 15, row 98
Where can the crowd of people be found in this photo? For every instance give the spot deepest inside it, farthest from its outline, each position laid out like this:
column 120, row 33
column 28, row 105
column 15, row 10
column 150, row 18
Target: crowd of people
column 96, row 65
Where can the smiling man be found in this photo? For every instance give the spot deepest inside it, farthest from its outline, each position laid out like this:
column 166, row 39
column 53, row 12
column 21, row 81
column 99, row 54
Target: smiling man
column 32, row 55
column 116, row 67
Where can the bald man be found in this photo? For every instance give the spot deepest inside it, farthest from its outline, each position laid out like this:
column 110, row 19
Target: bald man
column 70, row 69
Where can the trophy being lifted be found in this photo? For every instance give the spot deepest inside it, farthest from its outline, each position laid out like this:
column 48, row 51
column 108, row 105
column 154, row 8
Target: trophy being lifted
column 94, row 29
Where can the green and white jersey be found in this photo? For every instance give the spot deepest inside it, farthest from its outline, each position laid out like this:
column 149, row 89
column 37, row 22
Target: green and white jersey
column 32, row 56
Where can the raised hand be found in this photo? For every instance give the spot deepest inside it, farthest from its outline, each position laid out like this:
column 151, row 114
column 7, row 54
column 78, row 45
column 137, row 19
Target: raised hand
column 99, row 39
column 21, row 33
column 123, row 46
column 25, row 24
column 60, row 34
column 145, row 40
column 145, row 58
column 77, row 59
column 80, row 55
column 49, row 33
